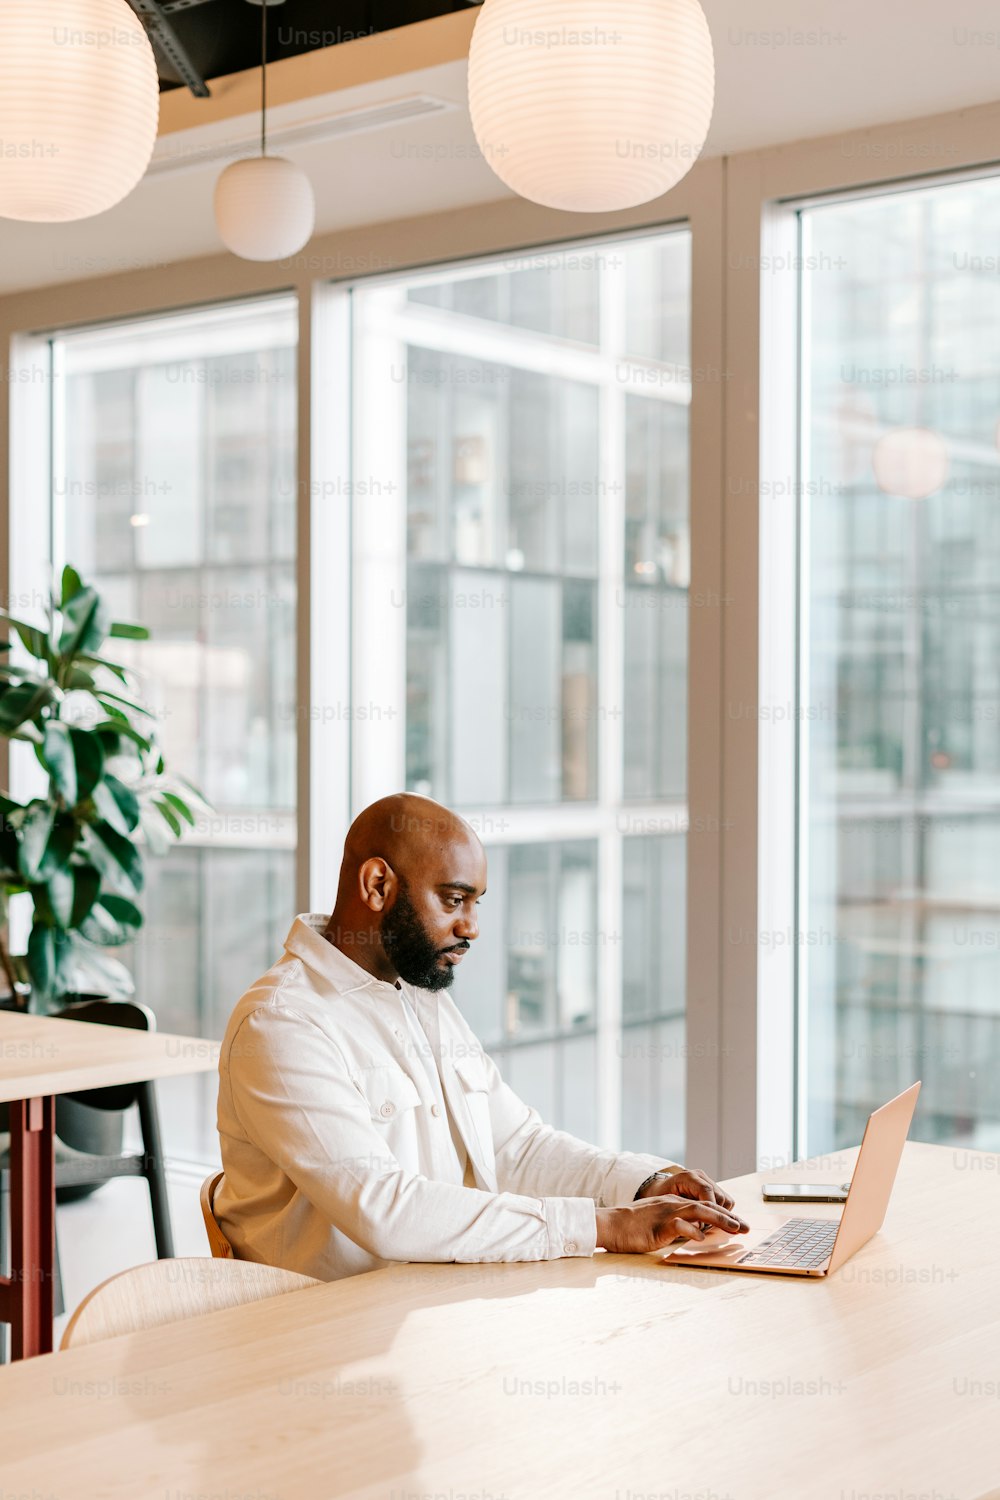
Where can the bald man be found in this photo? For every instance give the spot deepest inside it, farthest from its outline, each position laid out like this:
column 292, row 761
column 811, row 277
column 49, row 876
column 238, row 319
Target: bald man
column 362, row 1123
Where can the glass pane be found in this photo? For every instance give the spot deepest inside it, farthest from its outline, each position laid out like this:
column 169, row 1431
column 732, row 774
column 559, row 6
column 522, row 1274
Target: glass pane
column 899, row 972
column 552, row 936
column 178, row 502
column 655, row 599
column 537, row 477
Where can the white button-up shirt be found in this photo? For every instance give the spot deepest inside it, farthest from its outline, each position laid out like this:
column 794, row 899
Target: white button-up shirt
column 362, row 1123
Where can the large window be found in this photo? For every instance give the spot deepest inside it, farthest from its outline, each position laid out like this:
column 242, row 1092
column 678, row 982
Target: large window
column 522, row 561
column 899, row 933
column 174, row 492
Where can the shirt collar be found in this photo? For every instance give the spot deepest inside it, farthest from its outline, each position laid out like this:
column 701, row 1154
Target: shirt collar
column 306, row 941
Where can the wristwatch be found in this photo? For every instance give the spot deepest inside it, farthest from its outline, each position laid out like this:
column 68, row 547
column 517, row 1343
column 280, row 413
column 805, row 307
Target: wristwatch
column 644, row 1185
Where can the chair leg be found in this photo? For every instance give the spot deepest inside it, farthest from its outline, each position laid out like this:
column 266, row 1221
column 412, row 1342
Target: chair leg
column 58, row 1305
column 149, row 1122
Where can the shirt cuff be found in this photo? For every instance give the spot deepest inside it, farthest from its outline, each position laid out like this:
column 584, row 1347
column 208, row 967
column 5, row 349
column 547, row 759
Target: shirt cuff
column 627, row 1176
column 571, row 1225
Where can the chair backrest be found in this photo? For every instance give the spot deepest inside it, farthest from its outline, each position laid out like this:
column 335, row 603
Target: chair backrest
column 217, row 1242
column 165, row 1291
column 126, row 1013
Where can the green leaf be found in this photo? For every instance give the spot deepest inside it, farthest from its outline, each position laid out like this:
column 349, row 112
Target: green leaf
column 30, row 733
column 126, row 800
column 123, row 911
column 42, row 959
column 179, row 806
column 122, row 631
column 198, row 795
column 111, row 666
column 88, row 752
column 78, row 680
column 87, row 882
column 58, row 758
column 121, row 811
column 35, row 830
column 21, row 704
column 17, row 672
column 103, row 696
column 112, row 922
column 85, row 622
column 124, row 853
column 62, row 894
column 33, row 639
column 120, row 728
column 61, row 843
column 169, row 817
column 72, row 583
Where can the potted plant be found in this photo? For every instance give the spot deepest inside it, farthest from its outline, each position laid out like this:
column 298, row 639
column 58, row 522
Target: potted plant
column 76, row 849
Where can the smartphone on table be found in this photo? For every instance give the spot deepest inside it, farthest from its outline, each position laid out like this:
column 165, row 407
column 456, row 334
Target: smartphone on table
column 805, row 1192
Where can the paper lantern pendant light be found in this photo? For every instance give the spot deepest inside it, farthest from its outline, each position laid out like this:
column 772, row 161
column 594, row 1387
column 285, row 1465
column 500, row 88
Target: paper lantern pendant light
column 79, row 107
column 264, row 205
column 264, row 208
column 598, row 105
column 911, row 462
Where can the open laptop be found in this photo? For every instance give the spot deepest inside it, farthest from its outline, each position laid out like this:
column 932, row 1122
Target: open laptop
column 817, row 1247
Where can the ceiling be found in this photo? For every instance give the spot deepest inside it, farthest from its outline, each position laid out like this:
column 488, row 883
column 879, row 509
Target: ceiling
column 798, row 68
column 197, row 40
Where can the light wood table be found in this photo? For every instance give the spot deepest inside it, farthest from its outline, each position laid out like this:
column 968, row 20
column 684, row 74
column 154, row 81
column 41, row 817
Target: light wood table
column 614, row 1378
column 41, row 1056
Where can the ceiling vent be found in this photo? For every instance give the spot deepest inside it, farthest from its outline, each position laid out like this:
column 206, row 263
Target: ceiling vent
column 173, row 155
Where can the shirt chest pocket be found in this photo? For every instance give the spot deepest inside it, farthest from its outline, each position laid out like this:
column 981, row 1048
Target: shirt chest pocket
column 389, row 1094
column 475, row 1086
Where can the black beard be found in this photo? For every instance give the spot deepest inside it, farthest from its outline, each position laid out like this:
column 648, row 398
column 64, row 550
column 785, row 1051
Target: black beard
column 410, row 950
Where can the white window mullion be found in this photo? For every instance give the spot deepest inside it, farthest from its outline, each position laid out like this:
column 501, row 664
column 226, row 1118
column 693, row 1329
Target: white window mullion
column 326, row 697
column 611, row 707
column 378, row 500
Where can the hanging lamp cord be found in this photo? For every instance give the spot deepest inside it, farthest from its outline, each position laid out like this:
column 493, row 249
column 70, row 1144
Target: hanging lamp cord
column 263, row 78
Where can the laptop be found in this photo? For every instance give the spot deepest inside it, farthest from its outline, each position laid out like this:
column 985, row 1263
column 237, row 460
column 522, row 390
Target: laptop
column 817, row 1247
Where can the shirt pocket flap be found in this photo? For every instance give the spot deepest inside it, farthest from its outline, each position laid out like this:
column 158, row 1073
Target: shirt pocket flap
column 472, row 1074
column 388, row 1092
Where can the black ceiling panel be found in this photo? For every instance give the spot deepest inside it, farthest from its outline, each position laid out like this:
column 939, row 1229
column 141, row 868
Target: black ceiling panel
column 217, row 37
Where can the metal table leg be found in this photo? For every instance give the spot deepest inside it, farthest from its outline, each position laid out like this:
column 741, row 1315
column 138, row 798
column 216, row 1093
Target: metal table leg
column 26, row 1294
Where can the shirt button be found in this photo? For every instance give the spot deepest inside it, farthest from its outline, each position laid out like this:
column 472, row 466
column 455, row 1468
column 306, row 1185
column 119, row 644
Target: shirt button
column 398, row 1035
column 435, row 1110
column 387, row 1109
column 570, row 1247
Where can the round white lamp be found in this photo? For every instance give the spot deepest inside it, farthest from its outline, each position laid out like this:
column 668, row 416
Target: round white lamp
column 264, row 208
column 264, row 205
column 79, row 106
column 911, row 462
column 598, row 105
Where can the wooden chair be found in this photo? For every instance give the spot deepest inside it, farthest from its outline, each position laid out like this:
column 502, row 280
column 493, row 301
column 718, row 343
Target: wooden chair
column 165, row 1291
column 217, row 1242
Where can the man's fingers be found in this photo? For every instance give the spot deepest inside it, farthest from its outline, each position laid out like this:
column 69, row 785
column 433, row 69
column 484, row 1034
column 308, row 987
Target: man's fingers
column 685, row 1231
column 708, row 1213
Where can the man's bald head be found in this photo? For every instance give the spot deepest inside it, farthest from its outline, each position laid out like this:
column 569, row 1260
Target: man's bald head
column 406, row 830
column 410, row 879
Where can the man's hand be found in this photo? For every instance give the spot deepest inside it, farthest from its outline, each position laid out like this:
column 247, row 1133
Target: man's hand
column 688, row 1183
column 655, row 1222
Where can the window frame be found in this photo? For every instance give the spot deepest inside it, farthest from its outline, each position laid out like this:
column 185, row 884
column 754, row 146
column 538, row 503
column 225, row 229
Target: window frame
column 740, row 1101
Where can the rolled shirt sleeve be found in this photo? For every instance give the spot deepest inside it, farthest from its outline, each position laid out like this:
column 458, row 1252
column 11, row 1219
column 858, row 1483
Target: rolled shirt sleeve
column 532, row 1157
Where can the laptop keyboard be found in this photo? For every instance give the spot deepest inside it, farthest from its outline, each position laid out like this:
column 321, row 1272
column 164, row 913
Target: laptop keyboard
column 801, row 1243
